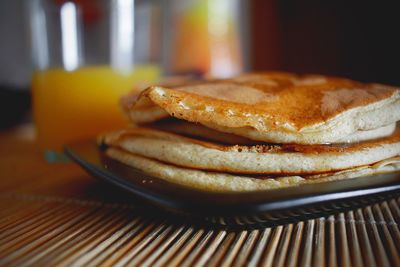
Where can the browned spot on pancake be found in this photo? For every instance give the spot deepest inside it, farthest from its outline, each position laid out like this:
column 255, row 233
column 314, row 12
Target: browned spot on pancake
column 317, row 149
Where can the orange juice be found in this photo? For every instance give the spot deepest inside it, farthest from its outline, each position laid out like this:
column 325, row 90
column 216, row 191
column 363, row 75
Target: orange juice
column 80, row 104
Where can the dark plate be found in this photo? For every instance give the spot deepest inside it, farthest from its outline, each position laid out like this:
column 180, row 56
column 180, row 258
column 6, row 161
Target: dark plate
column 250, row 208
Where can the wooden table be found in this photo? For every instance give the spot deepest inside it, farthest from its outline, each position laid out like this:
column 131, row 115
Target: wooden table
column 56, row 214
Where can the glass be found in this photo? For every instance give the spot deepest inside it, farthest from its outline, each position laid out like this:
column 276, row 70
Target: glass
column 86, row 55
column 207, row 37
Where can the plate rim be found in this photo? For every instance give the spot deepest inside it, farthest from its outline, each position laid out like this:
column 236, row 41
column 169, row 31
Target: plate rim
column 233, row 208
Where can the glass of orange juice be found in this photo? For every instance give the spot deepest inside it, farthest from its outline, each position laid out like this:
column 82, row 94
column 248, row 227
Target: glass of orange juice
column 87, row 54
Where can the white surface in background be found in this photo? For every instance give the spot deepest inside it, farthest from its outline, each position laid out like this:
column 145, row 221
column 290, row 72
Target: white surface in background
column 69, row 36
column 15, row 64
column 122, row 34
column 40, row 49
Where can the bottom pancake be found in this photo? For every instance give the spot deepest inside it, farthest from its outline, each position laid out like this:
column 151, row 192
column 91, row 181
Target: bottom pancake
column 225, row 182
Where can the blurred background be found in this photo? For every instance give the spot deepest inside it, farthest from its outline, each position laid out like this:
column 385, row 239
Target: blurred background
column 220, row 38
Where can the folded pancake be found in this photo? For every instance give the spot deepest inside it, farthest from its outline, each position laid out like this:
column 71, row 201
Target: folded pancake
column 225, row 182
column 260, row 158
column 276, row 107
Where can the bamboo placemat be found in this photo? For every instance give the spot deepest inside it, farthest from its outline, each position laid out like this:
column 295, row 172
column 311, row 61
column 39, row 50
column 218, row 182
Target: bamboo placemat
column 49, row 231
column 56, row 215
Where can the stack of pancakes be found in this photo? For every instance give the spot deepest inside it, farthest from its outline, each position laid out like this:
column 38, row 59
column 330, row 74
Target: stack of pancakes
column 261, row 131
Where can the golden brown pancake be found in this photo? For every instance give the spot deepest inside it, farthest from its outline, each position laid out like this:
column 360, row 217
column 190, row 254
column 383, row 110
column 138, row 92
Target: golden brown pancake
column 275, row 107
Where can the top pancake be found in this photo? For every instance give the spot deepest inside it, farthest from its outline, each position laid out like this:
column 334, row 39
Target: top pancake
column 275, row 107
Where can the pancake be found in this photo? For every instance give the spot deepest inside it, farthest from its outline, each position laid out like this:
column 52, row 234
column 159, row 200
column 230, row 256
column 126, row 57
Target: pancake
column 224, row 182
column 197, row 130
column 261, row 158
column 275, row 107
